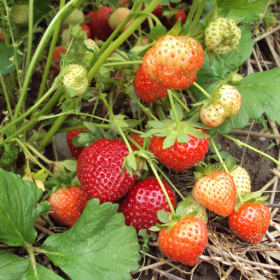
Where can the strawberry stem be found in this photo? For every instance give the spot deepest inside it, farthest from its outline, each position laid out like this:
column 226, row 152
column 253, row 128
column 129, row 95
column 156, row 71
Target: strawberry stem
column 148, row 14
column 202, row 90
column 239, row 196
column 218, row 154
column 240, row 143
column 173, row 109
column 38, row 154
column 180, row 102
column 122, row 63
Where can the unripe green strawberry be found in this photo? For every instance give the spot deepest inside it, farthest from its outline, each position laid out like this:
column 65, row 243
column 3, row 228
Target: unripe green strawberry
column 223, row 108
column 91, row 44
column 241, row 180
column 20, row 15
column 76, row 78
column 66, row 37
column 222, row 35
column 201, row 214
column 76, row 17
column 118, row 17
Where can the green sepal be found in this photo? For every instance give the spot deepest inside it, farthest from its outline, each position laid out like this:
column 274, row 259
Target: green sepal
column 179, row 112
column 170, row 140
column 155, row 228
column 254, row 197
column 193, row 213
column 185, row 29
column 176, row 29
column 211, row 56
column 180, row 211
column 158, row 32
column 163, row 216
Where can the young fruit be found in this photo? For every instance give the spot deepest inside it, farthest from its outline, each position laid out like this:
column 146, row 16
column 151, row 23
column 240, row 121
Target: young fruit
column 67, row 205
column 75, row 151
column 91, row 45
column 241, row 180
column 222, row 35
column 76, row 17
column 57, row 55
column 174, row 61
column 76, row 78
column 142, row 202
column 99, row 23
column 20, row 15
column 99, row 170
column 216, row 192
column 185, row 241
column 250, row 222
column 118, row 17
column 180, row 156
column 137, row 138
column 223, row 108
column 190, row 205
column 147, row 89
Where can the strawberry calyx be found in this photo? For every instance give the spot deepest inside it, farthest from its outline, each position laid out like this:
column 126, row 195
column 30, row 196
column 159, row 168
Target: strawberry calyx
column 169, row 129
column 170, row 220
column 208, row 170
column 254, row 197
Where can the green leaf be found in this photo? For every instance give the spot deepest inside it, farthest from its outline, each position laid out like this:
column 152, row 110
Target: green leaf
column 185, row 29
column 250, row 10
column 42, row 208
column 138, row 49
column 17, row 209
column 72, row 92
column 157, row 32
column 91, row 127
column 170, row 139
column 157, row 124
column 179, row 112
column 69, row 164
column 163, row 216
column 6, row 66
column 98, row 246
column 175, row 30
column 110, row 134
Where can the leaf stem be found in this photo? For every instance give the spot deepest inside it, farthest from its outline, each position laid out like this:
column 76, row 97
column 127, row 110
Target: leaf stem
column 240, row 143
column 173, row 109
column 218, row 154
column 38, row 154
column 202, row 90
column 29, row 250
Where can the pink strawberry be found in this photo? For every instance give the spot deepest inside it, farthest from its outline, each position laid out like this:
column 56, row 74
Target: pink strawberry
column 142, row 202
column 99, row 170
column 67, row 205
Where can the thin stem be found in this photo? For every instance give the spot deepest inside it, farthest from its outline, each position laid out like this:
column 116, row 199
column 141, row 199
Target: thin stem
column 239, row 195
column 148, row 14
column 55, row 127
column 50, row 55
column 38, row 154
column 34, row 107
column 6, row 97
column 111, row 99
column 122, row 63
column 94, row 108
column 26, row 151
column 30, row 33
column 192, row 10
column 173, row 109
column 180, row 102
column 144, row 109
column 240, row 143
column 160, row 111
column 197, row 16
column 202, row 90
column 162, row 187
column 218, row 154
column 29, row 250
column 97, row 125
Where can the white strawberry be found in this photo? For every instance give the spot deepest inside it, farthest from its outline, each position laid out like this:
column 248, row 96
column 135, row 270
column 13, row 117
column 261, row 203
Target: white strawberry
column 91, row 44
column 118, row 17
column 222, row 35
column 223, row 108
column 76, row 17
column 241, row 179
column 20, row 15
column 76, row 78
column 190, row 204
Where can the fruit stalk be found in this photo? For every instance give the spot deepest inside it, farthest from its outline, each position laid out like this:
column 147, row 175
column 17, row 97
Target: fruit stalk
column 218, row 154
column 173, row 109
column 122, row 63
column 240, row 143
column 202, row 90
column 180, row 102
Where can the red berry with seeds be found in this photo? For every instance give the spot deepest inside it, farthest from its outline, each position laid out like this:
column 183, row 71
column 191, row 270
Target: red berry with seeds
column 99, row 170
column 137, row 138
column 250, row 222
column 174, row 61
column 142, row 202
column 75, row 151
column 147, row 89
column 67, row 205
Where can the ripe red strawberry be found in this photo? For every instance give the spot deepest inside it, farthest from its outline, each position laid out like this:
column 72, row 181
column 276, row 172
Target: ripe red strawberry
column 185, row 241
column 180, row 14
column 147, row 89
column 158, row 11
column 221, row 109
column 99, row 23
column 174, row 61
column 118, row 17
column 86, row 28
column 68, row 205
column 137, row 138
column 216, row 192
column 142, row 202
column 57, row 55
column 99, row 170
column 75, row 151
column 180, row 156
column 250, row 222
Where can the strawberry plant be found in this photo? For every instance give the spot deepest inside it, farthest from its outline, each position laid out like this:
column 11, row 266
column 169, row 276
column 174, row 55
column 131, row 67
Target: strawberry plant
column 146, row 95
